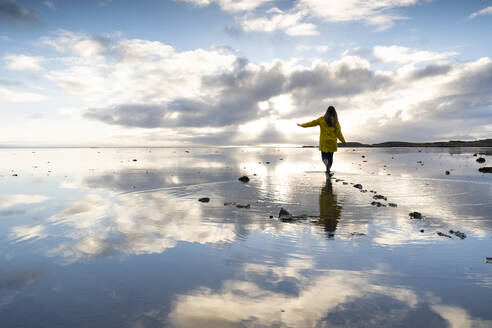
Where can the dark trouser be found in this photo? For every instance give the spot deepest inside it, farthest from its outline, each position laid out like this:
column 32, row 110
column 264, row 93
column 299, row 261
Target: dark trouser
column 327, row 159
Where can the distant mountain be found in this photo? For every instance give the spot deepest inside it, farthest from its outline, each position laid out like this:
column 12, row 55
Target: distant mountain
column 452, row 143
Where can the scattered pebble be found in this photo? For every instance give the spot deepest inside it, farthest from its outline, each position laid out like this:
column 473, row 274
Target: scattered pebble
column 378, row 204
column 443, row 234
column 421, row 230
column 15, row 175
column 345, row 183
column 358, row 186
column 481, row 160
column 486, row 169
column 415, row 215
column 447, row 172
column 392, row 205
column 134, row 160
column 488, row 260
column 458, row 233
column 204, row 199
column 243, row 179
column 358, row 234
column 243, row 205
column 284, row 215
column 379, row 197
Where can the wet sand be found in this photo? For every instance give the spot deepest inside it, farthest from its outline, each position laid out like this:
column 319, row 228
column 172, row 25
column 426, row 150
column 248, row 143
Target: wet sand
column 118, row 237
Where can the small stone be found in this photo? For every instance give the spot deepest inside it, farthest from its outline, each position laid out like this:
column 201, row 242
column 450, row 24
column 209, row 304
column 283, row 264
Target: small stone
column 243, row 205
column 458, row 234
column 134, row 159
column 475, row 154
column 447, row 172
column 345, row 183
column 15, row 175
column 267, row 162
column 204, row 199
column 421, row 230
column 392, row 205
column 481, row 160
column 271, row 216
column 363, row 156
column 443, row 234
column 284, row 215
column 486, row 169
column 415, row 215
column 488, row 260
column 379, row 197
column 358, row 186
column 243, row 179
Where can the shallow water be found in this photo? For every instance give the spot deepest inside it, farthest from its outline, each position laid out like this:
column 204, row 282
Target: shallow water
column 92, row 238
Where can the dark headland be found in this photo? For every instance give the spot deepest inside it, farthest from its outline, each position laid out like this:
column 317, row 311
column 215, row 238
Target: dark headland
column 388, row 144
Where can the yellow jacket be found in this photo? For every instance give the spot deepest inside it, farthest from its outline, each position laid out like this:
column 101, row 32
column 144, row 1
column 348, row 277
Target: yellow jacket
column 328, row 134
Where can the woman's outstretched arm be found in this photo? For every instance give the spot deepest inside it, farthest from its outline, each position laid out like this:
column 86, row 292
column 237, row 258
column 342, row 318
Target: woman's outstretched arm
column 309, row 124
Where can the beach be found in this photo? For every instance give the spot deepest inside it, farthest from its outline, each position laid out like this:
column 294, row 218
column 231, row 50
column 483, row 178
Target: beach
column 117, row 237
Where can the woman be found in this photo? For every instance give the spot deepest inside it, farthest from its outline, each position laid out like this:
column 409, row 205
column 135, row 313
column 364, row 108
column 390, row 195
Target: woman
column 329, row 132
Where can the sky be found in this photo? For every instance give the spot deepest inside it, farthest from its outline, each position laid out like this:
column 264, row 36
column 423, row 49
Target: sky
column 242, row 72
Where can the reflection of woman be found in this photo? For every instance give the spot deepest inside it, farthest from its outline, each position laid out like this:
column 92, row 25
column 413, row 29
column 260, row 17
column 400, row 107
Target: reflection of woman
column 329, row 210
column 329, row 132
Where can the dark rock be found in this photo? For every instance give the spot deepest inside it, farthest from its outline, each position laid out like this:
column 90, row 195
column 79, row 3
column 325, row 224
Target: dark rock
column 488, row 260
column 458, row 234
column 244, row 179
column 443, row 234
column 358, row 186
column 267, row 162
column 230, row 203
column 379, row 197
column 447, row 172
column 363, row 156
column 187, row 151
column 486, row 169
column 357, row 234
column 363, row 190
column 392, row 205
column 243, row 205
column 345, row 183
column 481, row 160
column 134, row 159
column 421, row 230
column 475, row 154
column 204, row 199
column 15, row 175
column 271, row 216
column 284, row 215
column 378, row 204
column 415, row 215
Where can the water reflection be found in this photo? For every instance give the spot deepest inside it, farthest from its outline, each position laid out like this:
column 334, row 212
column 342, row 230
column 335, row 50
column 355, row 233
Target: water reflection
column 329, row 209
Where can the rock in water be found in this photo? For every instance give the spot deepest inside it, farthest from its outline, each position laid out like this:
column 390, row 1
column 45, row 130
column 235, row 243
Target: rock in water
column 415, row 215
column 458, row 234
column 486, row 169
column 243, row 205
column 443, row 234
column 284, row 215
column 481, row 160
column 204, row 199
column 447, row 172
column 392, row 205
column 358, row 186
column 244, row 179
column 379, row 197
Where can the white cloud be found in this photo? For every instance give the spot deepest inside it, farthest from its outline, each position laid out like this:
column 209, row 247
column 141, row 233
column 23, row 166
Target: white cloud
column 485, row 11
column 21, row 199
column 23, row 62
column 49, row 4
column 290, row 23
column 18, row 97
column 232, row 5
column 406, row 55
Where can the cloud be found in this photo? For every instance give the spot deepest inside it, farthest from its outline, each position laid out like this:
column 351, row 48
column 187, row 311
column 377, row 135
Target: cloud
column 11, row 12
column 149, row 85
column 231, row 5
column 21, row 199
column 23, row 62
column 49, row 4
column 301, row 18
column 406, row 55
column 14, row 96
column 484, row 11
column 321, row 48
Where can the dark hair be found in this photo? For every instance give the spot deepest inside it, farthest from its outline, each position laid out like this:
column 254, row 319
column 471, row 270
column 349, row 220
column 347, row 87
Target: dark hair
column 331, row 117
